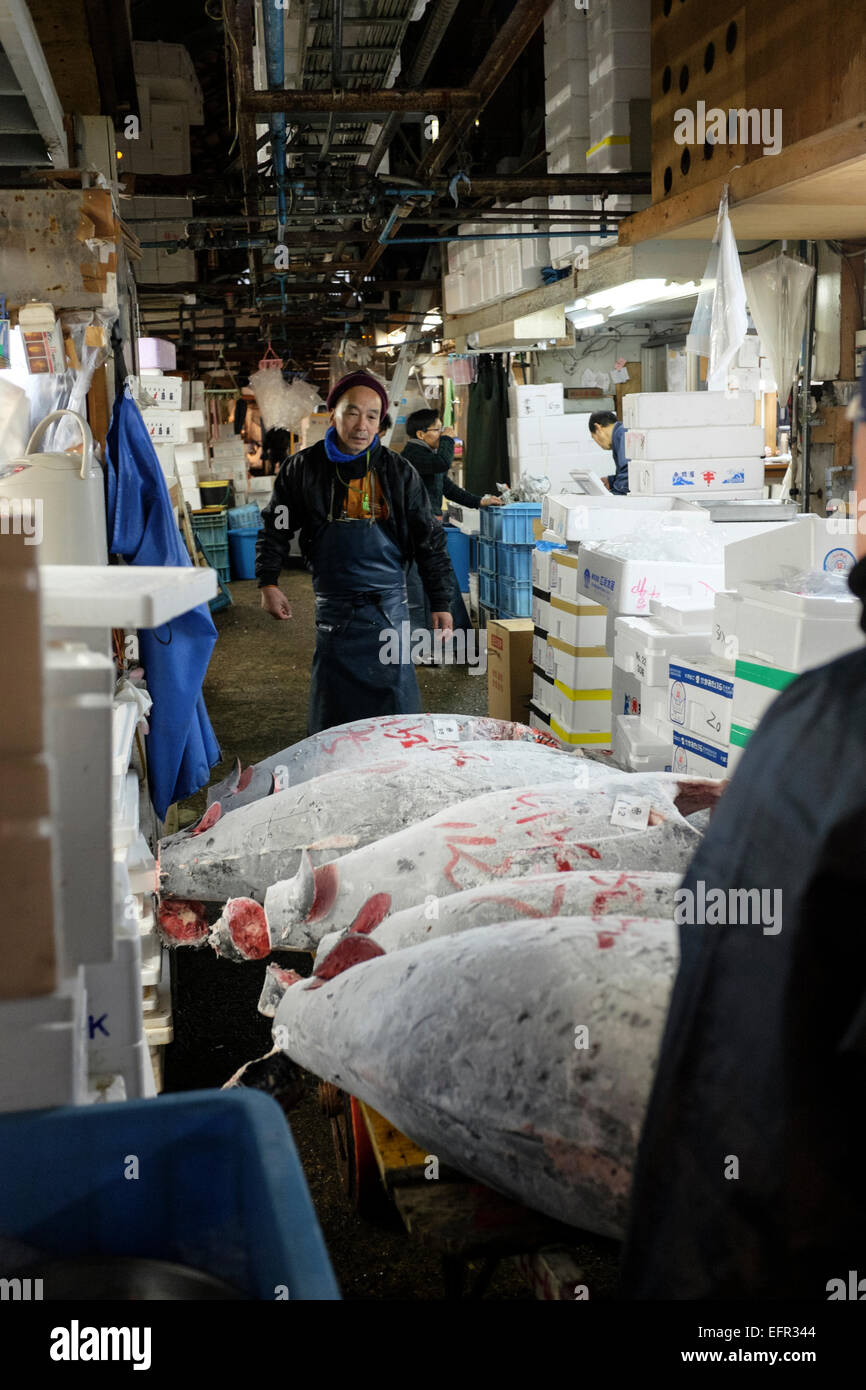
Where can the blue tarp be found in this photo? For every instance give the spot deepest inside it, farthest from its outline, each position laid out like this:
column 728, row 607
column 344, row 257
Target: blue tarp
column 181, row 747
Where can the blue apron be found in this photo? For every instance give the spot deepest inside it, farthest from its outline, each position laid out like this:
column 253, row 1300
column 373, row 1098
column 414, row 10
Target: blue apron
column 360, row 590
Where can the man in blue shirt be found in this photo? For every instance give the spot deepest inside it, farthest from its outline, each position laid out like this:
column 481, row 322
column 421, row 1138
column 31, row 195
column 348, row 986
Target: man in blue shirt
column 609, row 433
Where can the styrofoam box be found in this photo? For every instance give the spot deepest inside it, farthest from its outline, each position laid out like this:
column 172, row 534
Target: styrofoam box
column 541, row 692
column 568, row 121
column 797, row 634
column 541, row 613
column 644, row 646
column 453, row 285
column 580, row 624
column 649, row 410
column 627, row 586
column 163, row 392
column 632, row 696
column 562, row 575
column 567, row 82
column 752, row 698
column 638, row 747
column 614, row 118
column 42, row 1042
column 572, row 516
column 162, row 425
column 723, row 634
column 539, row 401
column 586, row 668
column 630, row 49
column 567, row 41
column 541, row 564
column 695, row 442
column 568, row 156
column 701, row 699
column 581, row 711
column 607, row 158
column 539, row 650
column 699, row 757
column 807, row 543
column 114, row 996
column 683, row 617
column 732, row 476
column 157, row 352
column 611, row 16
column 621, row 84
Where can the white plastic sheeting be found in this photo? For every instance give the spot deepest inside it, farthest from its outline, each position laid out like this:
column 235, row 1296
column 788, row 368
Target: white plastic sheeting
column 777, row 292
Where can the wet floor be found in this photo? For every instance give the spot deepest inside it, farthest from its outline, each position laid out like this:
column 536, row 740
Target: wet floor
column 256, row 694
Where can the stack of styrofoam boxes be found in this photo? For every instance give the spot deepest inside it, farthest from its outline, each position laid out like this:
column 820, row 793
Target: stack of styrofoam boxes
column 173, row 432
column 544, row 441
column 765, row 635
column 42, row 1000
column 229, row 460
column 567, row 111
column 619, row 48
column 571, row 668
column 692, row 443
column 170, row 101
column 644, row 649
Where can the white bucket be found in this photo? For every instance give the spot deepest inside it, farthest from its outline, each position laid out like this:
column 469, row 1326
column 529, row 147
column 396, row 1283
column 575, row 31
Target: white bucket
column 58, row 500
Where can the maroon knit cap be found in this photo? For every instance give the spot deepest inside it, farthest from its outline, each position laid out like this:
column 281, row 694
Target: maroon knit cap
column 358, row 379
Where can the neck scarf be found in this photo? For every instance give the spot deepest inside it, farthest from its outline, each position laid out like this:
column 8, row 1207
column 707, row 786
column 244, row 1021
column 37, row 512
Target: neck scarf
column 335, row 453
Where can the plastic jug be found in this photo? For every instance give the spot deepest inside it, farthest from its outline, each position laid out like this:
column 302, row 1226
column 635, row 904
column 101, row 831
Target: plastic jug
column 57, row 498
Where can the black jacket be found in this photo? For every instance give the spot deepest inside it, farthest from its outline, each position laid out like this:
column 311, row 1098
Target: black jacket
column 764, row 1053
column 433, row 465
column 303, row 488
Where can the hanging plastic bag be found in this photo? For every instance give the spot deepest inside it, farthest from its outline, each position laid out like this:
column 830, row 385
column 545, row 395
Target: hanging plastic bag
column 720, row 320
column 777, row 292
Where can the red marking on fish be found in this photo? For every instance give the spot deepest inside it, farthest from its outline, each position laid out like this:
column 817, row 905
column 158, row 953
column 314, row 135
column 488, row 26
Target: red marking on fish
column 562, row 864
column 244, row 780
column 209, row 819
column 354, row 736
column 352, row 950
column 618, row 889
column 326, row 886
column 538, row 816
column 457, row 825
column 374, row 911
column 248, row 928
column 526, row 909
column 473, row 840
column 184, row 923
column 591, row 851
column 604, row 940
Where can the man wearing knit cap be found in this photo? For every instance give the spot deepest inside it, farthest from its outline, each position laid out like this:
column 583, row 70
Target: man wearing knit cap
column 363, row 515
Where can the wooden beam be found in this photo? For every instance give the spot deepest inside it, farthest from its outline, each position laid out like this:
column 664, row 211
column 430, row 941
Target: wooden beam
column 370, row 103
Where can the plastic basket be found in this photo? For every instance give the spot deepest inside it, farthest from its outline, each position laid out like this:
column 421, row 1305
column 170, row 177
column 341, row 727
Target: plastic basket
column 488, row 589
column 515, row 597
column 516, row 521
column 486, row 555
column 270, row 361
column 514, row 561
column 244, row 518
column 211, row 526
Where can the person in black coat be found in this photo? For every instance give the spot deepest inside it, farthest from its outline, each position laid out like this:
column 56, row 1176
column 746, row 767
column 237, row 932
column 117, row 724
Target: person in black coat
column 429, row 448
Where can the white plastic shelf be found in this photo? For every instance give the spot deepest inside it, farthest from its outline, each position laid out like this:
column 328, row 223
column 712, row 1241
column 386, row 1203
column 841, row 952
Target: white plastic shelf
column 123, row 596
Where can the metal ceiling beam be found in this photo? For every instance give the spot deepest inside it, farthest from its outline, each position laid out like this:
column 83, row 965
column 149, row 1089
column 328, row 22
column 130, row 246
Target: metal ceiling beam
column 371, row 104
column 517, row 187
column 434, row 32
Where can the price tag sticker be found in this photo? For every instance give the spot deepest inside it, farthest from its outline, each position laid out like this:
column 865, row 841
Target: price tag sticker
column 632, row 811
column 448, row 730
column 640, row 665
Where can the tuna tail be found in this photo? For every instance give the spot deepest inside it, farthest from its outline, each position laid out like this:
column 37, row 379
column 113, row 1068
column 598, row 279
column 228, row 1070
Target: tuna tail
column 220, row 791
column 289, row 903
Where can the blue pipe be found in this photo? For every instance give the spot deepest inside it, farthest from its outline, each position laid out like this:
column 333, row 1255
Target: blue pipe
column 388, row 225
column 273, row 24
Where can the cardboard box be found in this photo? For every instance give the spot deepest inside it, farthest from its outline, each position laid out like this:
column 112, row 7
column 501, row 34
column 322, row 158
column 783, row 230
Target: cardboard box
column 701, row 699
column 696, row 442
column 509, row 667
column 732, row 477
column 649, row 410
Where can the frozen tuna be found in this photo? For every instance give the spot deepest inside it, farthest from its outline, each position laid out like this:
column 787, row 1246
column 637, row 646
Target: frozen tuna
column 522, row 1055
column 242, row 853
column 500, row 835
column 581, row 894
column 360, row 742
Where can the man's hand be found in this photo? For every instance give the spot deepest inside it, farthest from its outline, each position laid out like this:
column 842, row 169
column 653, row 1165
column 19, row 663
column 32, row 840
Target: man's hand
column 606, row 481
column 275, row 602
column 449, row 432
column 444, row 622
column 488, row 500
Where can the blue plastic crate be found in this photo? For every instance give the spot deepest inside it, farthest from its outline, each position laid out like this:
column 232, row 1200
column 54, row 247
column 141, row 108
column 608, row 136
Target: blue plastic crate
column 515, row 597
column 511, row 523
column 211, row 526
column 514, row 561
column 488, row 589
column 245, row 518
column 221, row 1188
column 486, row 555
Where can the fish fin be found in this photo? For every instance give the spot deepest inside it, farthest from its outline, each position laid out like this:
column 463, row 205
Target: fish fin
column 227, row 787
column 209, row 819
column 290, row 901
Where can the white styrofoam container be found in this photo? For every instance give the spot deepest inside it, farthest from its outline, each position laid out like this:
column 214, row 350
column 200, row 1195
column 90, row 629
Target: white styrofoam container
column 610, row 158
column 695, row 442
column 683, row 616
column 539, row 401
column 541, row 563
column 163, row 392
column 621, row 83
column 157, row 352
column 454, row 289
column 805, row 632
column 541, row 614
column 579, row 624
column 42, row 1042
column 627, row 586
column 114, row 996
column 542, row 688
column 724, row 642
column 568, row 120
column 808, row 543
column 524, row 431
column 567, row 155
column 162, row 425
column 572, row 515
column 585, row 668
column 568, row 82
column 612, row 119
column 756, row 685
column 701, row 699
column 699, row 757
column 567, row 41
column 643, row 646
column 637, row 747
column 733, row 477
column 629, row 49
column 581, row 712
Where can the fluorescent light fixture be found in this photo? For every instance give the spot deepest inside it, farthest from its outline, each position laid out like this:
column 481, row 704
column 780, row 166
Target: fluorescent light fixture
column 585, row 319
column 636, row 294
column 397, row 337
column 432, row 320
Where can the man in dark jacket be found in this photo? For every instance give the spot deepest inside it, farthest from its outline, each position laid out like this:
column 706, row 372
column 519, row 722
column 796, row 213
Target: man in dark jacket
column 609, row 433
column 430, row 449
column 363, row 516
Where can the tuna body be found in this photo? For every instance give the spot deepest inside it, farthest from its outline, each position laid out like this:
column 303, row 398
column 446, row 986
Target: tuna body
column 521, row 1054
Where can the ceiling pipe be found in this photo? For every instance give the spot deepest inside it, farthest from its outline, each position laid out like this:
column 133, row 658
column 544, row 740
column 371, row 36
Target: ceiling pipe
column 434, row 33
column 336, row 66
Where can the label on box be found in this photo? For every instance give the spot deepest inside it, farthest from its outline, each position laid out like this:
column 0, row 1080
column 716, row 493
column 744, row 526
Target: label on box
column 446, row 729
column 631, row 810
column 550, row 661
column 640, row 665
column 709, row 751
